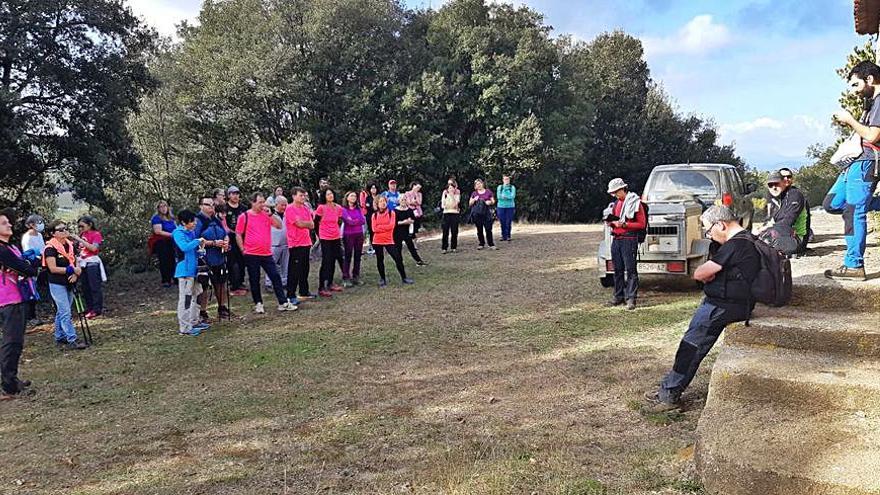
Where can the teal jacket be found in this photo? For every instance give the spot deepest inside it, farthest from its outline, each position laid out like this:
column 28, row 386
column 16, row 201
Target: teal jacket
column 186, row 242
column 506, row 196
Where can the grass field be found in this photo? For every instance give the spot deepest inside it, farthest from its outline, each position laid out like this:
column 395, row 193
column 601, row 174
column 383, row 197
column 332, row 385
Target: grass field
column 497, row 373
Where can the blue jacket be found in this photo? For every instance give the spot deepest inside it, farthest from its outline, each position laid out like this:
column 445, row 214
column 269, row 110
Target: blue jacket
column 212, row 230
column 186, row 241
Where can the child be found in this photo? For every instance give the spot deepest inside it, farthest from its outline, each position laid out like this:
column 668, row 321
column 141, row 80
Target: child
column 187, row 247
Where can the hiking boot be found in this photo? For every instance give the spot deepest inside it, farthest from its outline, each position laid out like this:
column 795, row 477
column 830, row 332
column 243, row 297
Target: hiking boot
column 846, row 273
column 258, row 308
column 4, row 396
column 76, row 345
column 203, row 316
column 23, row 383
column 654, row 405
column 408, row 281
column 422, row 263
column 631, row 305
column 614, row 302
column 223, row 313
column 358, row 282
column 288, row 306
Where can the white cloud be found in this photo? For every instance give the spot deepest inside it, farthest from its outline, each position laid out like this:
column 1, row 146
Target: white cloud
column 765, row 141
column 164, row 15
column 700, row 35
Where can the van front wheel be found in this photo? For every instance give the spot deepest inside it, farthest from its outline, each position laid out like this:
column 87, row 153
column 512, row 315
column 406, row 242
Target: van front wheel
column 607, row 281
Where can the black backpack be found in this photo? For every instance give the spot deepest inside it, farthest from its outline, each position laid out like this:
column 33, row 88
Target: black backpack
column 773, row 284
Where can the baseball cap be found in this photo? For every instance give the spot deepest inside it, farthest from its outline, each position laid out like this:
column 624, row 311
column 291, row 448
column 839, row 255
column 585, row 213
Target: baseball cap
column 392, row 181
column 774, row 177
column 233, row 189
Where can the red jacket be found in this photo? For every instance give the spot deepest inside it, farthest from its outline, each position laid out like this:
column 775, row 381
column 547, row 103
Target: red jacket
column 383, row 228
column 633, row 225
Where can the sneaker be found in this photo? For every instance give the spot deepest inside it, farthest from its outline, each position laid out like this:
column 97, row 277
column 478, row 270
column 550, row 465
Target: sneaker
column 201, row 327
column 358, row 282
column 336, row 288
column 421, row 263
column 325, row 293
column 195, row 332
column 631, row 304
column 258, row 308
column 408, row 281
column 23, row 383
column 480, row 247
column 4, row 395
column 287, row 307
column 383, row 283
column 656, row 406
column 454, row 251
column 90, row 315
column 347, row 284
column 371, row 252
column 846, row 273
column 238, row 292
column 293, row 300
column 76, row 345
column 493, row 248
column 310, row 295
column 167, row 285
column 614, row 302
column 444, row 251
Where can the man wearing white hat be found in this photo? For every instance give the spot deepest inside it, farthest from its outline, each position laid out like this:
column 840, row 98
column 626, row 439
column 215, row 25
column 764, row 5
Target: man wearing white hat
column 626, row 217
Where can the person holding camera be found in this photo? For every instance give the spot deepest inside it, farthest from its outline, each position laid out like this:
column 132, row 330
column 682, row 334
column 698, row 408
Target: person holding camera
column 209, row 226
column 481, row 203
column 188, row 245
column 254, row 238
column 59, row 258
column 450, row 206
column 13, row 270
column 625, row 216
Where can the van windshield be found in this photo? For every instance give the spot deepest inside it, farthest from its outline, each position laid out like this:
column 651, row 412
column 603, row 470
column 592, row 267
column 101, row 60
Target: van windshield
column 676, row 184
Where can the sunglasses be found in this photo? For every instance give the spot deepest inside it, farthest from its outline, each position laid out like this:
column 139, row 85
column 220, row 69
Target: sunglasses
column 61, row 229
column 208, row 204
column 774, row 185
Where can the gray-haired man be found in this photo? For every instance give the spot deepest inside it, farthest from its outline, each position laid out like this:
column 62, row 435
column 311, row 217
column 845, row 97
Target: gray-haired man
column 727, row 280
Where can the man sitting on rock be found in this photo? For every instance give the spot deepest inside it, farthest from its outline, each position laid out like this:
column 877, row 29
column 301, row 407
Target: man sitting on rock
column 727, row 280
column 787, row 215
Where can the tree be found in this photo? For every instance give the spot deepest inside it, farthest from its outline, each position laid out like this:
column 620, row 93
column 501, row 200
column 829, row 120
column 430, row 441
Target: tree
column 70, row 72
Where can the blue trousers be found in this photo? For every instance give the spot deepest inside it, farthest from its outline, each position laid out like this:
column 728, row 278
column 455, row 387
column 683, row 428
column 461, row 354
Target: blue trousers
column 505, row 218
column 851, row 196
column 63, row 297
column 626, row 274
column 705, row 328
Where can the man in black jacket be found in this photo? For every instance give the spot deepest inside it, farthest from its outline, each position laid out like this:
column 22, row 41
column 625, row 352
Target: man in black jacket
column 787, row 209
column 12, row 310
column 727, row 280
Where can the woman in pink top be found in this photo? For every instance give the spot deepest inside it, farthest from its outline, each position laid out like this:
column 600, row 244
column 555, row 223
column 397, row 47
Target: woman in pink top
column 299, row 220
column 328, row 217
column 254, row 237
column 414, row 200
column 93, row 277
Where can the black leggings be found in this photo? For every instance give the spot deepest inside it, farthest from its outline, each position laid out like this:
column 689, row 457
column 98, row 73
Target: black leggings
column 164, row 250
column 399, row 240
column 331, row 253
column 395, row 255
column 450, row 226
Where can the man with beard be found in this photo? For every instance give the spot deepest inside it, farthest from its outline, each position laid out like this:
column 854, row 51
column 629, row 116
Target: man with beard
column 852, row 193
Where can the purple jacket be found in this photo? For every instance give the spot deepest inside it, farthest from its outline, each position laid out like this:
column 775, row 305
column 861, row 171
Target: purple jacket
column 353, row 220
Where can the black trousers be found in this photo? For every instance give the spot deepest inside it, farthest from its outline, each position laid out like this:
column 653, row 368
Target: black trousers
column 12, row 321
column 626, row 274
column 450, row 226
column 267, row 263
column 93, row 289
column 331, row 254
column 484, row 230
column 406, row 238
column 298, row 272
column 164, row 250
column 395, row 255
column 235, row 264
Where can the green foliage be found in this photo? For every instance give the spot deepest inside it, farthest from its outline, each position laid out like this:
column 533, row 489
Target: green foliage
column 69, row 73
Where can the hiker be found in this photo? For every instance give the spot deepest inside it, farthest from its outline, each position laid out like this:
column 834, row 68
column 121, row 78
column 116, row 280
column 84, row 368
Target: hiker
column 233, row 210
column 450, row 205
column 728, row 279
column 13, row 270
column 852, row 192
column 414, row 201
column 163, row 226
column 280, row 253
column 209, row 226
column 254, row 237
column 368, row 204
column 59, row 258
column 328, row 218
column 506, row 210
column 788, row 179
column 481, row 203
column 32, row 242
column 786, row 227
column 299, row 221
column 392, row 195
column 626, row 217
column 321, row 192
column 384, row 221
column 188, row 289
column 404, row 229
column 352, row 239
column 272, row 200
column 94, row 275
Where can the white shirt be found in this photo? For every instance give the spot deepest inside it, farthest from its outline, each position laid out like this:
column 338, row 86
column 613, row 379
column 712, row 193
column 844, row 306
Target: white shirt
column 35, row 242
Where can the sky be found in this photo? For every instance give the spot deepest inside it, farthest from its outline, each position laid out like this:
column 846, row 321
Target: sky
column 762, row 70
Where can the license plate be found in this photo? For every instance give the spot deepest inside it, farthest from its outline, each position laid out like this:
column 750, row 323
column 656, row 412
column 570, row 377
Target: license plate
column 652, row 267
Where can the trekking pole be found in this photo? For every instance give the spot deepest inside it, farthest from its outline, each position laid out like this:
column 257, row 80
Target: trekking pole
column 79, row 306
column 226, row 289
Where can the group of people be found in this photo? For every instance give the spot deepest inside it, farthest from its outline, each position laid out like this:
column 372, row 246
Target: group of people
column 273, row 239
